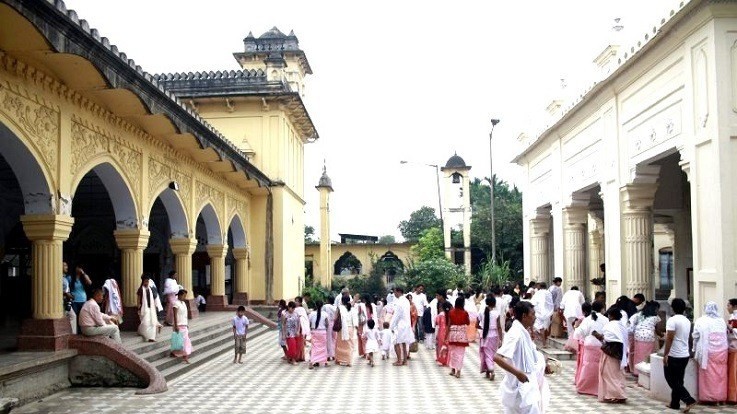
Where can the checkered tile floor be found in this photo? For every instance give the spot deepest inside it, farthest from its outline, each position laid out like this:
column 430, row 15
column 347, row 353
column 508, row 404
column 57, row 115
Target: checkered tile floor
column 266, row 384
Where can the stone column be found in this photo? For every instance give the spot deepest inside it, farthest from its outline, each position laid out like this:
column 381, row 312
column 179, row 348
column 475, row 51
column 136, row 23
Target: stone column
column 217, row 299
column 241, row 276
column 183, row 249
column 540, row 248
column 595, row 250
column 49, row 330
column 637, row 235
column 574, row 226
column 131, row 243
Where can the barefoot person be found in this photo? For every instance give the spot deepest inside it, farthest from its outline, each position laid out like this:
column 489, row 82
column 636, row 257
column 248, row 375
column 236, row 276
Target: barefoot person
column 519, row 391
column 240, row 330
column 179, row 313
column 458, row 320
column 95, row 323
column 677, row 332
column 149, row 306
column 402, row 326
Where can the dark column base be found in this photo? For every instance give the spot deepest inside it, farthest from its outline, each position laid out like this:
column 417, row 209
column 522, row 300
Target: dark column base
column 217, row 303
column 192, row 311
column 240, row 298
column 131, row 320
column 44, row 335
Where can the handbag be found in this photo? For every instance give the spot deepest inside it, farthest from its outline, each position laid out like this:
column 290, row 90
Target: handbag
column 413, row 347
column 458, row 334
column 177, row 341
column 338, row 324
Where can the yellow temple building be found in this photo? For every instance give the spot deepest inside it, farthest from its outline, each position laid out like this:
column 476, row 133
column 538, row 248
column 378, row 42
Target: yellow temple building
column 125, row 172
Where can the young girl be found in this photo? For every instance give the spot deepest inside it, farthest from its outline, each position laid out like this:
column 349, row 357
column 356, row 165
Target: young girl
column 180, row 325
column 291, row 331
column 386, row 341
column 441, row 326
column 371, row 336
column 280, row 314
column 488, row 323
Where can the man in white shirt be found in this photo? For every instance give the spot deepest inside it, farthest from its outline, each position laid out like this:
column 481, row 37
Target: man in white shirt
column 676, row 356
column 419, row 299
column 571, row 305
column 542, row 300
column 402, row 326
column 519, row 390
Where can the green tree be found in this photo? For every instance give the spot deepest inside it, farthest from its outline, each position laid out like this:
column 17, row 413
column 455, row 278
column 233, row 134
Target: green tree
column 419, row 221
column 309, row 234
column 430, row 245
column 507, row 222
column 387, row 239
column 435, row 273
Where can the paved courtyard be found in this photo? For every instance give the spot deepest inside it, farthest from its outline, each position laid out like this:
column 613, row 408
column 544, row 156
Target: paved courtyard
column 264, row 384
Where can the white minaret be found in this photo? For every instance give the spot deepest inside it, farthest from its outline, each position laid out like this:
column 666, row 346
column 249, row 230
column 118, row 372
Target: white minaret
column 456, row 176
column 325, row 187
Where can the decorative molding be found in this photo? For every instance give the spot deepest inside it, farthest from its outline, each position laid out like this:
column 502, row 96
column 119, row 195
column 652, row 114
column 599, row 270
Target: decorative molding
column 160, row 172
column 35, row 117
column 89, row 141
column 205, row 192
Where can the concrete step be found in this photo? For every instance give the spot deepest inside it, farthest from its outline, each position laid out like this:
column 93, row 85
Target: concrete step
column 173, row 367
column 199, row 337
column 268, row 312
column 558, row 354
column 145, row 348
column 557, row 343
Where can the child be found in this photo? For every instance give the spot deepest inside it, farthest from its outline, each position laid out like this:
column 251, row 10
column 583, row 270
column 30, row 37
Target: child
column 386, row 341
column 240, row 329
column 371, row 335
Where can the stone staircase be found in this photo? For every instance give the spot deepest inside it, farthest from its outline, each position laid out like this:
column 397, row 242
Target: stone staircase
column 211, row 337
column 555, row 349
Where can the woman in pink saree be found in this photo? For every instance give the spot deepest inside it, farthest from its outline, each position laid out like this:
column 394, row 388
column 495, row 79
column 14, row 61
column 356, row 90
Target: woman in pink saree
column 587, row 371
column 491, row 334
column 711, row 352
column 732, row 359
column 643, row 326
column 441, row 328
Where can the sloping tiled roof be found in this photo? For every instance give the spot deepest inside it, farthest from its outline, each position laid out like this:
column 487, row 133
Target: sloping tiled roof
column 67, row 33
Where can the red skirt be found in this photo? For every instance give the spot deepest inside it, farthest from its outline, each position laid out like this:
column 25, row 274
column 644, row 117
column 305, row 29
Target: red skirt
column 293, row 348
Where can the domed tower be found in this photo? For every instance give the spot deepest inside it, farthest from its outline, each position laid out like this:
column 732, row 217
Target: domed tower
column 325, row 187
column 278, row 55
column 457, row 207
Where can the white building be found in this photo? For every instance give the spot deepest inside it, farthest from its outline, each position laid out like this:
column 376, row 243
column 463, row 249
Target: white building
column 649, row 149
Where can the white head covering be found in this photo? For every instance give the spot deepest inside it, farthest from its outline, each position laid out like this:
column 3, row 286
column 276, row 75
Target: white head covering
column 706, row 325
column 711, row 310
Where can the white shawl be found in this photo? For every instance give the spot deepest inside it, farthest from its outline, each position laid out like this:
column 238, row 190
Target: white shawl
column 114, row 299
column 614, row 331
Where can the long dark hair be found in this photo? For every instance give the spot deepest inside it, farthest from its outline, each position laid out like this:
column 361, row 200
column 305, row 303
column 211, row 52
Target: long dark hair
column 586, row 309
column 446, row 309
column 318, row 305
column 596, row 308
column 650, row 309
column 490, row 303
column 369, row 309
column 346, row 301
column 460, row 302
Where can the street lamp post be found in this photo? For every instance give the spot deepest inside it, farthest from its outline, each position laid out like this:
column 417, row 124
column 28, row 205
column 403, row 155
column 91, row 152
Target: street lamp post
column 491, row 187
column 437, row 178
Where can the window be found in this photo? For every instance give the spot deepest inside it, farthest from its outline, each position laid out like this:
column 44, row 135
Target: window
column 666, row 268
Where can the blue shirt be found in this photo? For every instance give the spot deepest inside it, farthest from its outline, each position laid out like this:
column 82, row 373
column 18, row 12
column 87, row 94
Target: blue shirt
column 77, row 289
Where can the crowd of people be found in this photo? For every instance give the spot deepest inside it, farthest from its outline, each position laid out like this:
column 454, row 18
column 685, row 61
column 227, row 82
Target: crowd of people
column 509, row 324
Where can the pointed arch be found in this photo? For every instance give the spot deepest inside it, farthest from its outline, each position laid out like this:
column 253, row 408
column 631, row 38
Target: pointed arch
column 238, row 230
column 174, row 206
column 212, row 224
column 118, row 189
column 347, row 262
column 32, row 175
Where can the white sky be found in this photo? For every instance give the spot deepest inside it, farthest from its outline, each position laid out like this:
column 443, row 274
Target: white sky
column 394, row 80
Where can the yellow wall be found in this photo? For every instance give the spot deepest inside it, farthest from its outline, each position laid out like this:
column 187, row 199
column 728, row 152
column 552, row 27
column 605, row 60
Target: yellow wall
column 277, row 148
column 362, row 252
